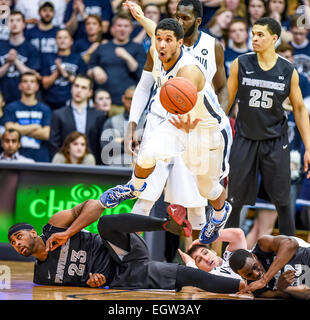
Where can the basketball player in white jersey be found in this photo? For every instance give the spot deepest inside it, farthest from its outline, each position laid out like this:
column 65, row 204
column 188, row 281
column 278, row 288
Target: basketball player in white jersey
column 210, row 54
column 202, row 149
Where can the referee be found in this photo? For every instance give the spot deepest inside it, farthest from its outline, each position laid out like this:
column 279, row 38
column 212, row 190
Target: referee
column 261, row 81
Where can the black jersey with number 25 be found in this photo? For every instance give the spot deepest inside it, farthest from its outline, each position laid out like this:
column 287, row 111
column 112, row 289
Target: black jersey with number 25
column 261, row 94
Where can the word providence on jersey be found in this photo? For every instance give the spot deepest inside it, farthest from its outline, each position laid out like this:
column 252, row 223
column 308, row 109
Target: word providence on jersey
column 179, row 309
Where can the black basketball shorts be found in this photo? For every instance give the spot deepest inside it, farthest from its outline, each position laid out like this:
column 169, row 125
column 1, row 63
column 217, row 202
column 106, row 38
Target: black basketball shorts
column 270, row 158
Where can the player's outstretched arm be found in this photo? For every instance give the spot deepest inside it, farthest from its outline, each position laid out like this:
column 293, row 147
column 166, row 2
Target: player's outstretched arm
column 74, row 220
column 232, row 84
column 138, row 14
column 235, row 238
column 301, row 118
column 139, row 102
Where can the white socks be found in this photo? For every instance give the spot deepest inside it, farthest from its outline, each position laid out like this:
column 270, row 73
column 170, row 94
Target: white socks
column 137, row 182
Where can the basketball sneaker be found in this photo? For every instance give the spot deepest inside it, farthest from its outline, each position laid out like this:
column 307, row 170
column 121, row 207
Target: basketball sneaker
column 212, row 228
column 177, row 222
column 114, row 196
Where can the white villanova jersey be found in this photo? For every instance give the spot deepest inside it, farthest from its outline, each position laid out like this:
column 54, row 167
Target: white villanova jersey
column 207, row 107
column 204, row 51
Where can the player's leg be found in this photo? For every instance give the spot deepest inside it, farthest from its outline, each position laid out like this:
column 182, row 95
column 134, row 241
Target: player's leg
column 187, row 276
column 150, row 153
column 211, row 188
column 243, row 177
column 116, row 228
column 275, row 170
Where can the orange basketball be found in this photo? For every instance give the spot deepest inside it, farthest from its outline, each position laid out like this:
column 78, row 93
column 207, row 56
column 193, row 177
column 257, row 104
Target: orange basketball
column 178, row 95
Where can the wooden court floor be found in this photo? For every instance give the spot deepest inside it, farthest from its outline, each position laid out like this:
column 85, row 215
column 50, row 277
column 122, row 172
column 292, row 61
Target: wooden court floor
column 22, row 288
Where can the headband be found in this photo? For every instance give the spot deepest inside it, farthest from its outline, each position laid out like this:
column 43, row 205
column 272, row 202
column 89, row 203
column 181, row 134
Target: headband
column 18, row 227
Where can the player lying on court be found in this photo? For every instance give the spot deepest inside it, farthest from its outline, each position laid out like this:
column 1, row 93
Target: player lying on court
column 276, row 263
column 202, row 257
column 117, row 257
column 294, row 278
column 201, row 142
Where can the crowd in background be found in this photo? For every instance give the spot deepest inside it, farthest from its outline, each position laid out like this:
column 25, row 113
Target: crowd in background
column 68, row 71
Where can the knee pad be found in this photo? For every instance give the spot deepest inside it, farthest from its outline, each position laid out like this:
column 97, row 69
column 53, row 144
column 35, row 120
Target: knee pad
column 213, row 192
column 142, row 207
column 197, row 217
column 146, row 158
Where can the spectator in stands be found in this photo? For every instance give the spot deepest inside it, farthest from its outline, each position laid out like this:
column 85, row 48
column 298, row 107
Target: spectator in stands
column 78, row 10
column 74, row 150
column 277, row 9
column 5, row 29
column 2, row 104
column 287, row 51
column 86, row 46
column 171, row 8
column 218, row 25
column 59, row 71
column 118, row 64
column 17, row 56
column 31, row 118
column 43, row 35
column 10, row 142
column 301, row 46
column 78, row 116
column 256, row 9
column 30, row 9
column 238, row 42
column 102, row 101
column 114, row 130
column 152, row 12
column 236, row 6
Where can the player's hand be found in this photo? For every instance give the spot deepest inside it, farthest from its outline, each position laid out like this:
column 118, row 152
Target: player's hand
column 131, row 143
column 285, row 279
column 56, row 240
column 134, row 9
column 185, row 257
column 255, row 285
column 307, row 163
column 186, row 125
column 96, row 280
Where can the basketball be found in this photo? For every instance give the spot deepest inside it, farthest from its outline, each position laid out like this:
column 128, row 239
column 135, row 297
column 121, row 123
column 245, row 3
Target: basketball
column 178, row 95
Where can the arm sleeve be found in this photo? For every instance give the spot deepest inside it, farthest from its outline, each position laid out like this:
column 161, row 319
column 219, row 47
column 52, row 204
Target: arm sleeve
column 141, row 96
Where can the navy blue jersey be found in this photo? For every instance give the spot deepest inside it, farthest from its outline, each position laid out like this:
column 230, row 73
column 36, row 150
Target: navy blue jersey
column 299, row 262
column 25, row 115
column 302, row 58
column 260, row 96
column 71, row 263
column 44, row 41
column 60, row 91
column 27, row 54
column 229, row 56
column 81, row 46
column 100, row 8
column 116, row 67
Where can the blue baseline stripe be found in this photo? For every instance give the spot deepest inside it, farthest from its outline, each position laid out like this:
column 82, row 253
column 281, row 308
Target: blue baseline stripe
column 211, row 110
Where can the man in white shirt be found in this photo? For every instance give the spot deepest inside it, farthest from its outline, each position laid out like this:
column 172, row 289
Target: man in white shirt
column 10, row 142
